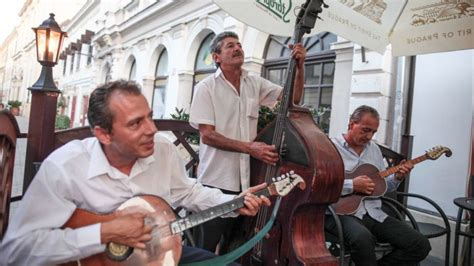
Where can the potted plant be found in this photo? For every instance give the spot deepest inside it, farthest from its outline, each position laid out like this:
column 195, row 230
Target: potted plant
column 14, row 107
column 62, row 121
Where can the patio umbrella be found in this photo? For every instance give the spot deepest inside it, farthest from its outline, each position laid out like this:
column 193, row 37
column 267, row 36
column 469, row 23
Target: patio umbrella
column 411, row 27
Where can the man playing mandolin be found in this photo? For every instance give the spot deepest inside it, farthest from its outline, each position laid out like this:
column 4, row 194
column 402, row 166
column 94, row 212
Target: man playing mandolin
column 369, row 223
column 124, row 159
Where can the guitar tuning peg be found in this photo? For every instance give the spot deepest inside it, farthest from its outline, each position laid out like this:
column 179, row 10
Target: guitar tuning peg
column 279, row 178
column 274, row 179
column 292, row 172
column 283, row 176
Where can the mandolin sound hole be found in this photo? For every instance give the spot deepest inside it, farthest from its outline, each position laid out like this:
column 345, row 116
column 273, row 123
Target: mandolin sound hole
column 117, row 252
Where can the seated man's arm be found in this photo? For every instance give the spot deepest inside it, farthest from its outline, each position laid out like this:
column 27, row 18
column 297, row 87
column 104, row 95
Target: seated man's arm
column 35, row 236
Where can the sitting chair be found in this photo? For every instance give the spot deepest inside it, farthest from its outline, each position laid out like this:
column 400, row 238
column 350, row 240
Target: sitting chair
column 395, row 205
column 429, row 230
column 390, row 206
column 9, row 132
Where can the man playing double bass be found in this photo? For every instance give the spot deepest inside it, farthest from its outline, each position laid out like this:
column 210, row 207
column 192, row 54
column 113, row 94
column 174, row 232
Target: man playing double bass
column 225, row 109
column 369, row 223
column 125, row 158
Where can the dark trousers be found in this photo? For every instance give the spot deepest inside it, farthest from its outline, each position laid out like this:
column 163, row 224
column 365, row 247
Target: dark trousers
column 191, row 254
column 216, row 229
column 410, row 246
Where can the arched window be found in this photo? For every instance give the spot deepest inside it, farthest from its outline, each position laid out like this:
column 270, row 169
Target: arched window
column 133, row 71
column 161, row 82
column 204, row 66
column 319, row 71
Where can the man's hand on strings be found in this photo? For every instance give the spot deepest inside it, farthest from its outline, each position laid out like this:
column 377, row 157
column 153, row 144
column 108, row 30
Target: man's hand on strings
column 252, row 203
column 403, row 170
column 127, row 229
column 363, row 184
column 264, row 152
column 298, row 52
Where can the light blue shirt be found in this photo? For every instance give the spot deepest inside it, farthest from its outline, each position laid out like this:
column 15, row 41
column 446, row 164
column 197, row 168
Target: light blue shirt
column 372, row 155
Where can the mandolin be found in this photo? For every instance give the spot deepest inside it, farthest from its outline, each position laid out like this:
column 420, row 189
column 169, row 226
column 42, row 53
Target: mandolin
column 349, row 204
column 165, row 246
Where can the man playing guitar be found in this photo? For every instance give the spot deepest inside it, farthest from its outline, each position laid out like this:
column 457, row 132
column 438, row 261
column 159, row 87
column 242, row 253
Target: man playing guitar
column 124, row 159
column 369, row 223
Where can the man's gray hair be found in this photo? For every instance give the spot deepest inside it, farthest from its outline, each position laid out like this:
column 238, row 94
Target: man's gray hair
column 361, row 110
column 216, row 43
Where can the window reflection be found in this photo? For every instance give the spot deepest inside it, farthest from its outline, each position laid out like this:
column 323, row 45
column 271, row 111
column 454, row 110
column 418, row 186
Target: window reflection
column 161, row 83
column 319, row 71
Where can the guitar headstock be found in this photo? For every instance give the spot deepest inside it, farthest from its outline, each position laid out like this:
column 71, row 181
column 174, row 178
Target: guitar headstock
column 283, row 184
column 436, row 152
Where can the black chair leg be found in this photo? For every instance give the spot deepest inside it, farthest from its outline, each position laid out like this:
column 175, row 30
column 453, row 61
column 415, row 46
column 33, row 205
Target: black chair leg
column 446, row 255
column 456, row 237
column 469, row 252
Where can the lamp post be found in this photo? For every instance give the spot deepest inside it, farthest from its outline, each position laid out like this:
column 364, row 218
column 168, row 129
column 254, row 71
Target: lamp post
column 49, row 39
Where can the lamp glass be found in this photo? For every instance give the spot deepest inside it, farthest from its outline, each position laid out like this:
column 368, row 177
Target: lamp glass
column 41, row 43
column 53, row 46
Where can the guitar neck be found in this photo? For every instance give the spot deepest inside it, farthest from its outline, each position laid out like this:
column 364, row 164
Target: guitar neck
column 394, row 169
column 198, row 218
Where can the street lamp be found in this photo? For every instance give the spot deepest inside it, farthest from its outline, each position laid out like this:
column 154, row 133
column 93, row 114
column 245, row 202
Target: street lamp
column 49, row 39
column 44, row 97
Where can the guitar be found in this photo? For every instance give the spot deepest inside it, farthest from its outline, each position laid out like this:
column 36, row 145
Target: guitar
column 348, row 204
column 165, row 246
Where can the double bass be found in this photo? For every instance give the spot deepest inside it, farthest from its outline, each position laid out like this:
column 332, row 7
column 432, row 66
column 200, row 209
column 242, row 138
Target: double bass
column 297, row 236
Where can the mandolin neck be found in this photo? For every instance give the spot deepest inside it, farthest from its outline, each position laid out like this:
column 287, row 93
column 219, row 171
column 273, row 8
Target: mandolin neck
column 198, row 218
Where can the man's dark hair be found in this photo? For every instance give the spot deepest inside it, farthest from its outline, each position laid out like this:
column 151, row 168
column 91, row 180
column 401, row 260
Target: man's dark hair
column 99, row 113
column 216, row 43
column 361, row 110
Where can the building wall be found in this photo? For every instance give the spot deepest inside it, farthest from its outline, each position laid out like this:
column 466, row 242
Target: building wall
column 177, row 26
column 21, row 68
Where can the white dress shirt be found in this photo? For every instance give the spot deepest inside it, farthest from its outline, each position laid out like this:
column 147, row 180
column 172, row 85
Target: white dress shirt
column 78, row 175
column 216, row 102
column 372, row 155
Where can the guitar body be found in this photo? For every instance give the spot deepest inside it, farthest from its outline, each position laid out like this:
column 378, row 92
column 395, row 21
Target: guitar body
column 349, row 204
column 161, row 250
